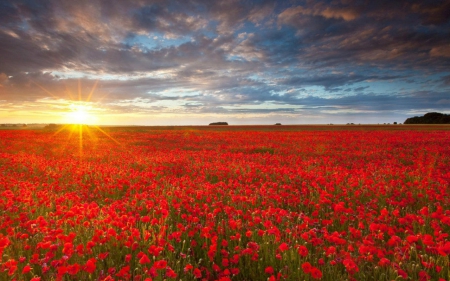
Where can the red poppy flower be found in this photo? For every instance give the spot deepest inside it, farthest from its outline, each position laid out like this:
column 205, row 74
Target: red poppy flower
column 283, row 247
column 303, row 251
column 144, row 259
column 269, row 270
column 90, row 265
column 197, row 273
column 26, row 269
column 316, row 273
column 306, row 266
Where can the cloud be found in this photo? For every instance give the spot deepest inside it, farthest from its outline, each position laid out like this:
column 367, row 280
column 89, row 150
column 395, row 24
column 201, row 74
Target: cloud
column 440, row 51
column 333, row 80
column 446, row 80
column 360, row 89
column 290, row 15
column 3, row 78
column 433, row 12
column 218, row 55
column 158, row 17
column 380, row 33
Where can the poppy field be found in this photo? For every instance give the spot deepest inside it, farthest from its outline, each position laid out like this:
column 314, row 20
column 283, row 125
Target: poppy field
column 91, row 204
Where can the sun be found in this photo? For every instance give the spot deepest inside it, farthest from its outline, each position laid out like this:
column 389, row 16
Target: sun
column 79, row 114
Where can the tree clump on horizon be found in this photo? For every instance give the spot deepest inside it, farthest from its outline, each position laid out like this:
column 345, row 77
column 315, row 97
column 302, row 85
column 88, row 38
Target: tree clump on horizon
column 218, row 123
column 430, row 118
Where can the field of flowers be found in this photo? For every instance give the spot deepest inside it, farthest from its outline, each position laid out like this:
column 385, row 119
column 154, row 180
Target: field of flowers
column 224, row 205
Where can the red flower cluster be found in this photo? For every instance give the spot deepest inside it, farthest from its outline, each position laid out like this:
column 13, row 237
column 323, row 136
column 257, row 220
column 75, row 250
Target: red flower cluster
column 206, row 205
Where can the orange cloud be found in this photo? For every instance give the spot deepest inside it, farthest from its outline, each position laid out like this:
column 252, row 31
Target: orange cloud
column 440, row 51
column 346, row 14
column 3, row 79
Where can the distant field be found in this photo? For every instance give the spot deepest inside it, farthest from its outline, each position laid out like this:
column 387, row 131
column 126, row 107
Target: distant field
column 291, row 128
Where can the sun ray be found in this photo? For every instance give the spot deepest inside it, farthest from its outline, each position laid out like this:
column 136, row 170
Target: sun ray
column 44, row 89
column 92, row 91
column 78, row 116
column 100, row 99
column 80, row 113
column 61, row 129
column 80, row 133
column 69, row 137
column 69, row 92
column 94, row 137
column 79, row 90
column 90, row 134
column 71, row 131
column 108, row 135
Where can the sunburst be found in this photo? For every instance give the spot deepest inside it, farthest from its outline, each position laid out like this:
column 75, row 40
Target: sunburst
column 81, row 113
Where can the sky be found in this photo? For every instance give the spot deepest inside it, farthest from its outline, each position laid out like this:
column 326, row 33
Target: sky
column 192, row 62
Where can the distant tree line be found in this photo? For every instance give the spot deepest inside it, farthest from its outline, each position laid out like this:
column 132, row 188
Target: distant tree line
column 13, row 125
column 430, row 118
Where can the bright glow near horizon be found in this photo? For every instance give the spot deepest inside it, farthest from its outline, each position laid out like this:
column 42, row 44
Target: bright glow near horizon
column 80, row 114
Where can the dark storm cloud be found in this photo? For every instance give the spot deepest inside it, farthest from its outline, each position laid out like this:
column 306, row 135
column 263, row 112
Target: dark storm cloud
column 224, row 53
